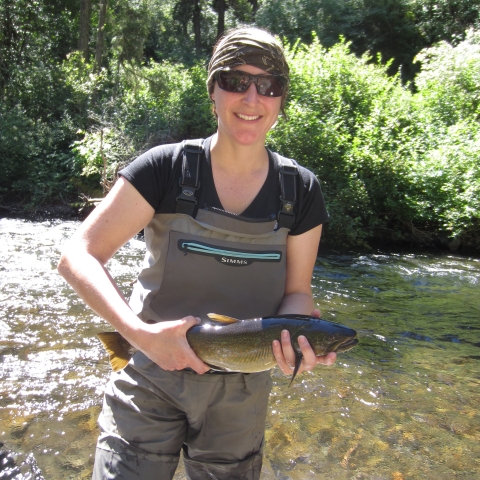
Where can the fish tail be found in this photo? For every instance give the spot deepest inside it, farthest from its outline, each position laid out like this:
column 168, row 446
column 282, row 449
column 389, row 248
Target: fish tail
column 298, row 362
column 118, row 349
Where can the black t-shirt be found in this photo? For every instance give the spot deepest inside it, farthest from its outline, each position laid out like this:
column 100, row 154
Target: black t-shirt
column 156, row 173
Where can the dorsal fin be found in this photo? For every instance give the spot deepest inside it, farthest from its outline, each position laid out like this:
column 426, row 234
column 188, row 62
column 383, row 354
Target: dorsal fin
column 221, row 318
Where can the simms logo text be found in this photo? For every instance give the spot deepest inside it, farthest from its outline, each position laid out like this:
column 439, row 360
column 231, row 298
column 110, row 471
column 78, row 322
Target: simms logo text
column 233, row 261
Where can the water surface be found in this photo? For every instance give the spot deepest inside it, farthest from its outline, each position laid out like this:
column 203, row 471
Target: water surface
column 402, row 404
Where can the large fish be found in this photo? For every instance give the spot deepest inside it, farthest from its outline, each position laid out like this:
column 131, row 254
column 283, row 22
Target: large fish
column 232, row 345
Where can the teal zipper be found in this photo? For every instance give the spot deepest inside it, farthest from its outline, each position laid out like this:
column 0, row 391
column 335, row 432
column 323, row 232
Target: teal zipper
column 204, row 249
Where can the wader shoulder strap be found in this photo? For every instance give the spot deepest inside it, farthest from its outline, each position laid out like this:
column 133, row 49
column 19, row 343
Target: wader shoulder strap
column 288, row 185
column 190, row 179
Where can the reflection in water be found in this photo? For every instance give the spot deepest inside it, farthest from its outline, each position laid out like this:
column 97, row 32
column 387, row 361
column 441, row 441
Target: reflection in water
column 402, row 404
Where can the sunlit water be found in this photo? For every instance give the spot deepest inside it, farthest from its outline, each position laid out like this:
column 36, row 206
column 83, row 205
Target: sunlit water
column 403, row 404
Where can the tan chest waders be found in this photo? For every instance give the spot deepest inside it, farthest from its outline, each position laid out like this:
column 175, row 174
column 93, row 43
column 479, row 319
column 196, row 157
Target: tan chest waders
column 213, row 263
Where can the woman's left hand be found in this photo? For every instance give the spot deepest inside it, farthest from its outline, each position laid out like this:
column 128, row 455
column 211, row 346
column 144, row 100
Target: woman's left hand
column 285, row 354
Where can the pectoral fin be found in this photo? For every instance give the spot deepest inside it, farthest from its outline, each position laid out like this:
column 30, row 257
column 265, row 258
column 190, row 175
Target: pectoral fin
column 118, row 349
column 298, row 362
column 222, row 318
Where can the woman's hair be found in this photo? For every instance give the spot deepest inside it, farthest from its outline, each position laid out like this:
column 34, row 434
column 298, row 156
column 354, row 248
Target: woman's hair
column 248, row 46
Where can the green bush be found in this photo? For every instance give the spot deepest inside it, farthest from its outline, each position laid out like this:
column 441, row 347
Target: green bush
column 447, row 109
column 148, row 105
column 35, row 165
column 393, row 165
column 449, row 81
column 347, row 121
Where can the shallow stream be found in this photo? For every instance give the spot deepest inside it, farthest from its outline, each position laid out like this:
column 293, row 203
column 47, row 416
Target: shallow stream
column 403, row 404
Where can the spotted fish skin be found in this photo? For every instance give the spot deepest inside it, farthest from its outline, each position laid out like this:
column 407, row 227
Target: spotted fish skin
column 246, row 345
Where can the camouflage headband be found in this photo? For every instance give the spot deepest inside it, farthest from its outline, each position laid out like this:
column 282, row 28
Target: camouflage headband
column 247, row 46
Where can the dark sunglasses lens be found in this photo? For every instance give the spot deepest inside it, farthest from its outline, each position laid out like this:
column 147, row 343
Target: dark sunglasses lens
column 233, row 81
column 270, row 86
column 238, row 82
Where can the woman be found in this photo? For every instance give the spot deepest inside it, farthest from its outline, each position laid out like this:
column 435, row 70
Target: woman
column 226, row 194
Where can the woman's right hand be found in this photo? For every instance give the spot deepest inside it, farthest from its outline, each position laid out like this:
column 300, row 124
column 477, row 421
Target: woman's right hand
column 165, row 343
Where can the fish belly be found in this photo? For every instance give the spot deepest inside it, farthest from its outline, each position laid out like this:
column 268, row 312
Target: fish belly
column 257, row 360
column 245, row 352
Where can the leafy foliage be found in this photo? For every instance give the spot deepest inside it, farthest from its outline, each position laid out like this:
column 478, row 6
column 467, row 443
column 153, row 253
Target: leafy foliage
column 447, row 107
column 149, row 105
column 393, row 165
column 347, row 122
column 384, row 102
column 34, row 167
column 449, row 83
column 395, row 29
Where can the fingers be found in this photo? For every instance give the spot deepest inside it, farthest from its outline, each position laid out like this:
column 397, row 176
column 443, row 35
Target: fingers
column 287, row 348
column 316, row 313
column 195, row 364
column 191, row 360
column 309, row 361
column 328, row 359
column 285, row 354
column 281, row 362
column 171, row 350
column 188, row 322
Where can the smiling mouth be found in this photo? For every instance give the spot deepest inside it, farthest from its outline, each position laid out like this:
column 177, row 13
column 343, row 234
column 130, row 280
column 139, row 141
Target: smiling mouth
column 248, row 117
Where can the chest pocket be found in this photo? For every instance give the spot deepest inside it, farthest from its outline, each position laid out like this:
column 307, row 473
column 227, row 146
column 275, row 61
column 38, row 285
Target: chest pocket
column 233, row 278
column 228, row 256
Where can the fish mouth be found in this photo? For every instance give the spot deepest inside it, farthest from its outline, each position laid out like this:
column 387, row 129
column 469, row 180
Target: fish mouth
column 346, row 345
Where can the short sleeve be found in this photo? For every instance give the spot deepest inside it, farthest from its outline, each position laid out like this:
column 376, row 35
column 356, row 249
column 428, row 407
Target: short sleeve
column 151, row 172
column 311, row 210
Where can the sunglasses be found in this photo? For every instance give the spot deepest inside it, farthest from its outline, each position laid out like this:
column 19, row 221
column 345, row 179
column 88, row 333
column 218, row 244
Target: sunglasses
column 237, row 81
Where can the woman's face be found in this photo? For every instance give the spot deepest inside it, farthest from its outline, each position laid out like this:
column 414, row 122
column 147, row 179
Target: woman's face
column 245, row 118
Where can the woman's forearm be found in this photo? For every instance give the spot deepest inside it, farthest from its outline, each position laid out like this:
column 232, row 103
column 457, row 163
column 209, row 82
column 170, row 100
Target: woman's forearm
column 94, row 284
column 299, row 303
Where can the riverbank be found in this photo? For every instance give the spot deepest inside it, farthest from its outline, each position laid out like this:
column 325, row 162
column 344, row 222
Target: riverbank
column 44, row 212
column 428, row 243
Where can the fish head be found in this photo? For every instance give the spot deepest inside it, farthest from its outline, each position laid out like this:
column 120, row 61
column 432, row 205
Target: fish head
column 325, row 337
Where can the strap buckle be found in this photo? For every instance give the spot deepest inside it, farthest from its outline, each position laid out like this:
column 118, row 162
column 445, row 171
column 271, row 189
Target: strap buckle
column 187, row 192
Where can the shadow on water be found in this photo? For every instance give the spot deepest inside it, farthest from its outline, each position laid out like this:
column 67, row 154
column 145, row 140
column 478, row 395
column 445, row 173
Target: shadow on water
column 402, row 404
